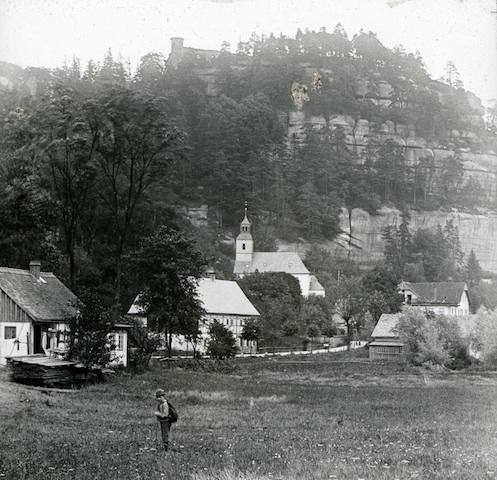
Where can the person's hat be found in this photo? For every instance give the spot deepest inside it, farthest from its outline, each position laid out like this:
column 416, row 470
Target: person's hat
column 159, row 392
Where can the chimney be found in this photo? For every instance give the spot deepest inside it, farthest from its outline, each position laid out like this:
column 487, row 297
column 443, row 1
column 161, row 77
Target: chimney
column 34, row 268
column 211, row 274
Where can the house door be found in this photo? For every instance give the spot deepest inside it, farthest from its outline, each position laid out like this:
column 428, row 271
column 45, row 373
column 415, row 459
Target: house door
column 37, row 347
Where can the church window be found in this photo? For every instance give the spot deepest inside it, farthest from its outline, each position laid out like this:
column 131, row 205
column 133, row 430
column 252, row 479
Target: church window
column 243, row 246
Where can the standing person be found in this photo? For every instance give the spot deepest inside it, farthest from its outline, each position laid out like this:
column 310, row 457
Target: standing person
column 162, row 415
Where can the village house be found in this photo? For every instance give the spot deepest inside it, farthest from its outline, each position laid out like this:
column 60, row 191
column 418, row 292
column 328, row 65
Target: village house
column 222, row 300
column 248, row 261
column 446, row 298
column 34, row 307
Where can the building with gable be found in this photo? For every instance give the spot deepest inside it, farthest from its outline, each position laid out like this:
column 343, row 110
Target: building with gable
column 34, row 307
column 386, row 344
column 222, row 300
column 446, row 298
column 248, row 261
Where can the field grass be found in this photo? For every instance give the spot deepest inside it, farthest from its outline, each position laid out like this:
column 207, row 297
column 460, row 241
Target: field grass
column 314, row 417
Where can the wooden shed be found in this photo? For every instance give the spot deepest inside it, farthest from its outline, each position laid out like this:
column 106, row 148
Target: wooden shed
column 386, row 343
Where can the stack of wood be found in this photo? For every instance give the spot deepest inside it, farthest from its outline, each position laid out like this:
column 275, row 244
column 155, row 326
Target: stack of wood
column 44, row 371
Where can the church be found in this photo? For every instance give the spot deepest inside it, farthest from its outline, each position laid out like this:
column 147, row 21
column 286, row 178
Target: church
column 248, row 261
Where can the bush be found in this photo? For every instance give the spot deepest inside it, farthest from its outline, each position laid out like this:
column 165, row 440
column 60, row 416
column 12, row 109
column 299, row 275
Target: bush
column 485, row 336
column 222, row 342
column 431, row 340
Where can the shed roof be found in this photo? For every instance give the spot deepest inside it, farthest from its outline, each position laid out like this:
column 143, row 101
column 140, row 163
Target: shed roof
column 440, row 293
column 44, row 300
column 385, row 327
column 287, row 262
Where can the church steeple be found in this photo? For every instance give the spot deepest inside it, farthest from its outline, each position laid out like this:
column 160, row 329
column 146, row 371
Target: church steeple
column 244, row 241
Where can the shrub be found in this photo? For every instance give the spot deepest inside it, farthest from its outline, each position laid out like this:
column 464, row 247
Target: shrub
column 222, row 343
column 432, row 339
column 485, row 336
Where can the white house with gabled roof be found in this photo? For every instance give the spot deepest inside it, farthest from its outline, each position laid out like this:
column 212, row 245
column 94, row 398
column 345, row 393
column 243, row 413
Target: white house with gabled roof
column 446, row 298
column 248, row 261
column 222, row 300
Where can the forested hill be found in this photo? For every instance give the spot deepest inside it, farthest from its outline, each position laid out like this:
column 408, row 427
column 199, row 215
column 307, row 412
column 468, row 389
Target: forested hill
column 303, row 129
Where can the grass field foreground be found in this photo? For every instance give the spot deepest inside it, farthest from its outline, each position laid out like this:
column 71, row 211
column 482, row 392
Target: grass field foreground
column 315, row 417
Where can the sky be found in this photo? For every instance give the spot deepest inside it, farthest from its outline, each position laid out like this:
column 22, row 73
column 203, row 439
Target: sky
column 46, row 33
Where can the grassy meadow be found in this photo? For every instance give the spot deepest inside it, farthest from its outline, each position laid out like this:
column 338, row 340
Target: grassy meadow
column 320, row 416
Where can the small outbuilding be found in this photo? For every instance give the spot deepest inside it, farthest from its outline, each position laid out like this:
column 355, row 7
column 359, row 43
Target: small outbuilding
column 386, row 344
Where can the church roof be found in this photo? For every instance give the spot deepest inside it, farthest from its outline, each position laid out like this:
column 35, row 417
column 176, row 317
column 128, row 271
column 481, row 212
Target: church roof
column 245, row 220
column 287, row 262
column 314, row 285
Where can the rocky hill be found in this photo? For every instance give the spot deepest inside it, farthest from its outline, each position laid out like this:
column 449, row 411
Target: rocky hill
column 327, row 138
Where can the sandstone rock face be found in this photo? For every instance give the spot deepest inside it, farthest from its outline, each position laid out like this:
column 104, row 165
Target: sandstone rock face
column 476, row 232
column 480, row 166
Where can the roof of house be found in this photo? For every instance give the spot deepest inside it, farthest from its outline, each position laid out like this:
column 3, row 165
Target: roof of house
column 222, row 297
column 315, row 286
column 287, row 262
column 446, row 293
column 44, row 300
column 385, row 328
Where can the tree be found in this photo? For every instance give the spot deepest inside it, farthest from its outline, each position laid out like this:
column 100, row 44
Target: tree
column 472, row 270
column 451, row 76
column 451, row 178
column 251, row 330
column 89, row 329
column 142, row 345
column 350, row 305
column 277, row 297
column 222, row 343
column 398, row 245
column 67, row 154
column 166, row 268
column 485, row 336
column 380, row 292
column 137, row 142
column 313, row 331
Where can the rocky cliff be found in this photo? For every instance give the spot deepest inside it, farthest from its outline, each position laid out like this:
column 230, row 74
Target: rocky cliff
column 476, row 232
column 480, row 166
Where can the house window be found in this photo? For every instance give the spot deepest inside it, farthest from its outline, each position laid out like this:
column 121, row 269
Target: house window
column 120, row 342
column 409, row 299
column 10, row 333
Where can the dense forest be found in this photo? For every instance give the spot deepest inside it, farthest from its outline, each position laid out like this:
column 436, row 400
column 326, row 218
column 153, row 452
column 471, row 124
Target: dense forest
column 94, row 158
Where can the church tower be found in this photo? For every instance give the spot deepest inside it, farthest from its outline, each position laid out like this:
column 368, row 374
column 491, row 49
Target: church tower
column 244, row 241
